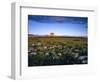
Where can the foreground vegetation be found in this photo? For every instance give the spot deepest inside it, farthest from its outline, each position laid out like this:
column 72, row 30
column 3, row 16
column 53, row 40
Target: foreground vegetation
column 43, row 51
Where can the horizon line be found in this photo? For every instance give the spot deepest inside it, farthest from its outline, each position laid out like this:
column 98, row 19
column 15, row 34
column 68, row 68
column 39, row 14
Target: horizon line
column 57, row 35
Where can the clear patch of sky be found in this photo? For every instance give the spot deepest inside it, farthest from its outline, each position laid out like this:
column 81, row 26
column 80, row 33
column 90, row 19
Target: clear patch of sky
column 59, row 25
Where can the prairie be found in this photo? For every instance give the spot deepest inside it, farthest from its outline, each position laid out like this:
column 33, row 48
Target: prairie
column 57, row 50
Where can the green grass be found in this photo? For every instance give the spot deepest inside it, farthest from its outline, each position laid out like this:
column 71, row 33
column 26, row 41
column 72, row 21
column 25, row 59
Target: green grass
column 61, row 50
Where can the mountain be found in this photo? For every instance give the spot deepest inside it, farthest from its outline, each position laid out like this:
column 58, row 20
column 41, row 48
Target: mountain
column 63, row 36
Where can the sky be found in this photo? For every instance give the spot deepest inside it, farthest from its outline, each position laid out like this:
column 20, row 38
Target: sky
column 59, row 25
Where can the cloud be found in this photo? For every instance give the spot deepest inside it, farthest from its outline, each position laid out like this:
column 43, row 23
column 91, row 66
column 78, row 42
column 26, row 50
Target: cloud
column 58, row 19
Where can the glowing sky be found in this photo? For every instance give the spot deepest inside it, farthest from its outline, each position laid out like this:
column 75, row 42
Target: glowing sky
column 60, row 25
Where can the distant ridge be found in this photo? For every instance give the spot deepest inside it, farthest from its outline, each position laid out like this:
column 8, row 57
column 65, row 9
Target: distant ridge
column 33, row 35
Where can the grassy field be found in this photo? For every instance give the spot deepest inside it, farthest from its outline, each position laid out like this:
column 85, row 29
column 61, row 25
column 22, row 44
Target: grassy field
column 57, row 50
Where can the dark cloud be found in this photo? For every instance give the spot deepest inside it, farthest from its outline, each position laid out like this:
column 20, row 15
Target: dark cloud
column 58, row 19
